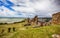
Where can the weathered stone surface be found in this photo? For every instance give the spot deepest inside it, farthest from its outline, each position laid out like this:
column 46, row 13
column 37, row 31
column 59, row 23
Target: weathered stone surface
column 56, row 18
column 35, row 19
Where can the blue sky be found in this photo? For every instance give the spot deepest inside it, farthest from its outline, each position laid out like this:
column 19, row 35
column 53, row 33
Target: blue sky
column 29, row 8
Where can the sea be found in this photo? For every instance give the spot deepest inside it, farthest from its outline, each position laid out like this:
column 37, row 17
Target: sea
column 10, row 19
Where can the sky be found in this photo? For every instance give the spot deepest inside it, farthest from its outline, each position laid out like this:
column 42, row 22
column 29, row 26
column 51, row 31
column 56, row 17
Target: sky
column 29, row 8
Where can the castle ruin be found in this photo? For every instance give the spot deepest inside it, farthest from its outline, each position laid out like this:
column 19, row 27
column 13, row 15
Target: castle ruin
column 56, row 18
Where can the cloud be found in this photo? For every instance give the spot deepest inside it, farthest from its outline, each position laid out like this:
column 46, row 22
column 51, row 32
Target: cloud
column 8, row 13
column 30, row 8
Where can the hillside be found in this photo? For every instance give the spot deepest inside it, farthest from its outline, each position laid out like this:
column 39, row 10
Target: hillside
column 41, row 32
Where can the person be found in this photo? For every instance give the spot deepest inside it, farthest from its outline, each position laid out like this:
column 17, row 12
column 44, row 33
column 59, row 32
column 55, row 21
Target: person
column 13, row 29
column 9, row 29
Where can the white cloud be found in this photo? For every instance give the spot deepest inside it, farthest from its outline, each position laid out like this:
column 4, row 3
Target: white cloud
column 9, row 13
column 23, row 9
column 32, row 8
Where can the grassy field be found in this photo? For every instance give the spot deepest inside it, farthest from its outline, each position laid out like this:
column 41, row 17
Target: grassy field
column 41, row 32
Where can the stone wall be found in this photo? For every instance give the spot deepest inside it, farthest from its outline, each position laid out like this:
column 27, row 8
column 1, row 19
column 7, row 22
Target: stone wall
column 35, row 19
column 35, row 22
column 32, row 21
column 56, row 18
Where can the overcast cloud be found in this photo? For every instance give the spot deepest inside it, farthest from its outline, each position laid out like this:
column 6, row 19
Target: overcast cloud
column 30, row 8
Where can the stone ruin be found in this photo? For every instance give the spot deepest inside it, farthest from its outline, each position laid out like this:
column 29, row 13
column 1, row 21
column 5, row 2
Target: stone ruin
column 32, row 21
column 56, row 18
column 35, row 22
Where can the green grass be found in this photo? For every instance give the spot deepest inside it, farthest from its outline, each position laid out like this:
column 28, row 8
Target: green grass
column 42, row 32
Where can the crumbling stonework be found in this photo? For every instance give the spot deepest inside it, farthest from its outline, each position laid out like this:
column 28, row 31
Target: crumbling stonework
column 35, row 19
column 36, row 22
column 56, row 18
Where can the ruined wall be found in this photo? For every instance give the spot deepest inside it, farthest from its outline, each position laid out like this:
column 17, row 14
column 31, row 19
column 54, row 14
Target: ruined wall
column 56, row 18
column 33, row 21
